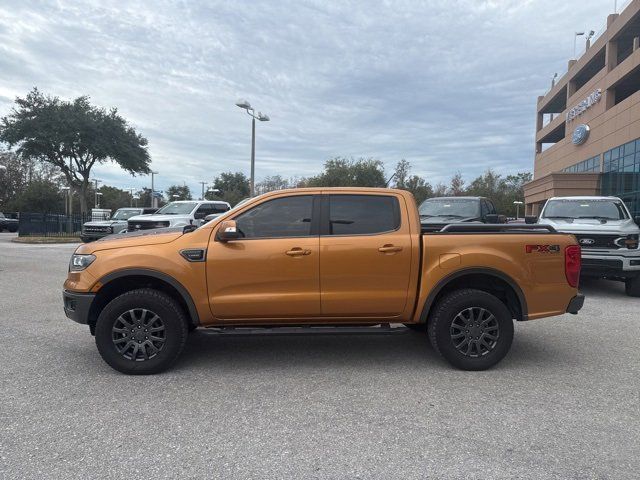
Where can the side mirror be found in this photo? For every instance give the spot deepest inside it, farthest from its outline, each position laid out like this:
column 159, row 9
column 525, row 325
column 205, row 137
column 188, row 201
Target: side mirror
column 211, row 216
column 199, row 215
column 492, row 218
column 228, row 231
column 530, row 219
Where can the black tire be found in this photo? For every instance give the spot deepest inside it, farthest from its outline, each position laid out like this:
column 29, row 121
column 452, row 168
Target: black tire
column 486, row 341
column 632, row 286
column 128, row 320
column 12, row 229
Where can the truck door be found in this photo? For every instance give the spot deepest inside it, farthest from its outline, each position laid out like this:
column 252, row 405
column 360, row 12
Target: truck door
column 365, row 256
column 272, row 271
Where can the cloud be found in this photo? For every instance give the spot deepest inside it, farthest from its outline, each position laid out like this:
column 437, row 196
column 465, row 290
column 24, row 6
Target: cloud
column 450, row 86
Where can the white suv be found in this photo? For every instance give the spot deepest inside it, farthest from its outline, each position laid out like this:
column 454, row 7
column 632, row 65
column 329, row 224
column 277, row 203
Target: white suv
column 178, row 214
column 606, row 232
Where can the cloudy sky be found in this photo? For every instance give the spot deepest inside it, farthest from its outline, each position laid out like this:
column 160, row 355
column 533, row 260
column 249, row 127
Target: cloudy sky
column 448, row 85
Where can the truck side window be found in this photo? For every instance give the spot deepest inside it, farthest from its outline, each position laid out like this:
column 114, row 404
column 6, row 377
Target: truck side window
column 491, row 208
column 363, row 214
column 484, row 208
column 280, row 217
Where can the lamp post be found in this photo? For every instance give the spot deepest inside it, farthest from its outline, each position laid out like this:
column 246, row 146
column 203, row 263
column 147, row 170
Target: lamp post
column 575, row 39
column 245, row 105
column 153, row 192
column 66, row 200
column 96, row 201
column 98, row 195
column 517, row 204
column 203, row 184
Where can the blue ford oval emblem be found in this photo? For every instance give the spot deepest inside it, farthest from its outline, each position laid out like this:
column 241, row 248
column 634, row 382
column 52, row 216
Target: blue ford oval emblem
column 580, row 134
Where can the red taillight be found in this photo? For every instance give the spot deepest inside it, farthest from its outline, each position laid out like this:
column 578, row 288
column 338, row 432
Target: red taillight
column 572, row 262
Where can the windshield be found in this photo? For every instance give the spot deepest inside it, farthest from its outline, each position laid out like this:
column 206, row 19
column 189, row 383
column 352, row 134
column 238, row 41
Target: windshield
column 176, row 208
column 125, row 214
column 604, row 209
column 449, row 207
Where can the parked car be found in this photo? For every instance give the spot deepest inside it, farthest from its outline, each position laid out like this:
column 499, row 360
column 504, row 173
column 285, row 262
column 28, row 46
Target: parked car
column 8, row 224
column 606, row 232
column 437, row 212
column 321, row 256
column 96, row 229
column 178, row 214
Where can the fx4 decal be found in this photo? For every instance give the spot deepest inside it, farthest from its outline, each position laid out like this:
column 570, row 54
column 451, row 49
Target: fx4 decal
column 542, row 248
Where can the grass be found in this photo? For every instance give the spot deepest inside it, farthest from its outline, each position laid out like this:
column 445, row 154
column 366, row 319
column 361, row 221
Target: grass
column 46, row 240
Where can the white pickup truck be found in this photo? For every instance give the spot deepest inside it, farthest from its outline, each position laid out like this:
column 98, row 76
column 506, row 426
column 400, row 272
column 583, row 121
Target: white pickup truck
column 178, row 214
column 606, row 232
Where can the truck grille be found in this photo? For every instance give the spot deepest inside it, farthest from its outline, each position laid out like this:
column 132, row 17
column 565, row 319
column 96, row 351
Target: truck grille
column 92, row 229
column 602, row 263
column 145, row 225
column 598, row 241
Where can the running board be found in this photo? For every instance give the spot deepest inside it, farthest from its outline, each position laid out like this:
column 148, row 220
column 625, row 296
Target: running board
column 379, row 329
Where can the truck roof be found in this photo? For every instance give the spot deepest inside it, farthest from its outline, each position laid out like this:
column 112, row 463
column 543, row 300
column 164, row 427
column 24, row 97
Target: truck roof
column 585, row 197
column 466, row 197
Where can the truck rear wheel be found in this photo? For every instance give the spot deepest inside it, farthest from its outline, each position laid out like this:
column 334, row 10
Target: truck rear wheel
column 471, row 329
column 141, row 332
column 632, row 286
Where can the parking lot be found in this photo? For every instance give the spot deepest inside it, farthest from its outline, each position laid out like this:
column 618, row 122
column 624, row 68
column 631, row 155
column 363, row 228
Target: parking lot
column 563, row 404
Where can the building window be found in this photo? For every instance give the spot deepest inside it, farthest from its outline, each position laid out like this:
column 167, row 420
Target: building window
column 589, row 165
column 621, row 176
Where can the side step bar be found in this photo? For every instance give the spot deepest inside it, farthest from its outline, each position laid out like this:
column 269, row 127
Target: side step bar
column 379, row 329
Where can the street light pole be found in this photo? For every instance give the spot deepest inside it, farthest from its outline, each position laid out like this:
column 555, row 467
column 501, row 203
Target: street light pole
column 575, row 39
column 153, row 197
column 203, row 184
column 517, row 204
column 96, row 201
column 263, row 118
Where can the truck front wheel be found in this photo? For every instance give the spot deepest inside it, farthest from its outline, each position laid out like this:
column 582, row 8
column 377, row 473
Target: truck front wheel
column 471, row 329
column 632, row 286
column 141, row 332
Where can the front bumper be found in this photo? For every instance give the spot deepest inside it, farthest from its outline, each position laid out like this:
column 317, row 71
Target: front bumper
column 77, row 305
column 624, row 263
column 575, row 304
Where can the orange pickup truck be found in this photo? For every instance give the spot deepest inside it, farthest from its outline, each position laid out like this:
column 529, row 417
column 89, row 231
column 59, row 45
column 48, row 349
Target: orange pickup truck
column 339, row 257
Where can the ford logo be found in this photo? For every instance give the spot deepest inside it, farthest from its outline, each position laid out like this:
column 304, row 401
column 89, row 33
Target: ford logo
column 138, row 226
column 587, row 241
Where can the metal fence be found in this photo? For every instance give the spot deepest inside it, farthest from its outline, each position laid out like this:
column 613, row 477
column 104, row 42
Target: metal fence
column 51, row 224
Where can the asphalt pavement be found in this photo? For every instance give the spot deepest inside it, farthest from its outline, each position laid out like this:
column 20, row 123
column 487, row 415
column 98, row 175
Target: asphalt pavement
column 564, row 404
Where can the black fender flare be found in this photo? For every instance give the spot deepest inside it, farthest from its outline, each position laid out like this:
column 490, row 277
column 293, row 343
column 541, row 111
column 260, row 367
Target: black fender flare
column 145, row 272
column 474, row 271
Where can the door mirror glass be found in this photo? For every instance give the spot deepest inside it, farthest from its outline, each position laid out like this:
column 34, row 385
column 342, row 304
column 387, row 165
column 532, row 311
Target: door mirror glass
column 199, row 215
column 228, row 231
column 530, row 219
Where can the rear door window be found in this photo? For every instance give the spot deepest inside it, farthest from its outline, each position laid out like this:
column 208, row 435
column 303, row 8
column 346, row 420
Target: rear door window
column 362, row 214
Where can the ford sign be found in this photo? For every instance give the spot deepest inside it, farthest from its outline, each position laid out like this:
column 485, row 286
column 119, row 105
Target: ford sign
column 587, row 241
column 580, row 134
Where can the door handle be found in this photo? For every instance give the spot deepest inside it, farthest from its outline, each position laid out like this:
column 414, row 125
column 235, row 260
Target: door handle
column 298, row 252
column 389, row 249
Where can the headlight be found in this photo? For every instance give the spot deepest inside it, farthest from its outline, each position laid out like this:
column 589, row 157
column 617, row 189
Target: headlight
column 80, row 262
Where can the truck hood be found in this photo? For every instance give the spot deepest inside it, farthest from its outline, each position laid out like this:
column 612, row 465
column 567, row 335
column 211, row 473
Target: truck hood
column 132, row 239
column 592, row 225
column 445, row 220
column 158, row 218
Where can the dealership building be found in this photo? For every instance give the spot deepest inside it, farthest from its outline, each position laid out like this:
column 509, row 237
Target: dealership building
column 588, row 124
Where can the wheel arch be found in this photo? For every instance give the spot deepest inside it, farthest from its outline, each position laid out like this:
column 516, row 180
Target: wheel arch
column 486, row 279
column 121, row 281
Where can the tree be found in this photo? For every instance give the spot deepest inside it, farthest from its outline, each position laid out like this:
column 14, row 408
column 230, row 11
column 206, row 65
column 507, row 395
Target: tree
column 417, row 185
column 178, row 192
column 39, row 196
column 114, row 198
column 73, row 136
column 232, row 187
column 269, row 184
column 343, row 172
column 456, row 187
